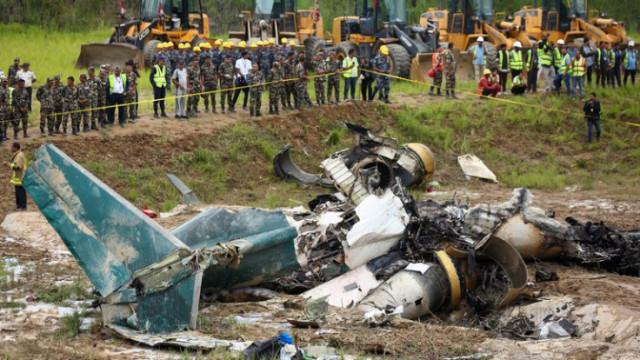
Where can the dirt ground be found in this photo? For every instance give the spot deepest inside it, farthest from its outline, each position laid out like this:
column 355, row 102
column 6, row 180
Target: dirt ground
column 31, row 249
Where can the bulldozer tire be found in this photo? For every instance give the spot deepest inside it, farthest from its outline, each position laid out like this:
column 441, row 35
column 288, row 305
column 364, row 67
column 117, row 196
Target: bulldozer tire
column 149, row 50
column 313, row 45
column 491, row 53
column 400, row 60
column 344, row 48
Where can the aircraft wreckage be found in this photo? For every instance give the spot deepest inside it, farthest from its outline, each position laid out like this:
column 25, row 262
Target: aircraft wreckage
column 366, row 246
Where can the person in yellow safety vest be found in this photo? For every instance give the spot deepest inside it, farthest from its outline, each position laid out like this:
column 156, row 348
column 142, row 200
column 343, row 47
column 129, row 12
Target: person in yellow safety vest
column 564, row 74
column 533, row 63
column 602, row 65
column 516, row 61
column 350, row 68
column 503, row 67
column 578, row 71
column 557, row 55
column 479, row 58
column 158, row 80
column 117, row 88
column 17, row 166
column 546, row 67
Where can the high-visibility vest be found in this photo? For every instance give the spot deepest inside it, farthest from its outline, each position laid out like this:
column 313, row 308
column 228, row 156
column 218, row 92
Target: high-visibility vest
column 501, row 58
column 160, row 76
column 612, row 56
column 15, row 179
column 484, row 55
column 354, row 62
column 557, row 57
column 530, row 57
column 630, row 56
column 564, row 68
column 546, row 58
column 579, row 67
column 112, row 80
column 516, row 60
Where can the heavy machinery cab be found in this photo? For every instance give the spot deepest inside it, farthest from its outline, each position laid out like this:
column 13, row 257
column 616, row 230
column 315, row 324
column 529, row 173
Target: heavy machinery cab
column 464, row 15
column 272, row 9
column 555, row 16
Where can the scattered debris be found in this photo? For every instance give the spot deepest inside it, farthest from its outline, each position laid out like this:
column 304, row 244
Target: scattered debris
column 188, row 196
column 472, row 166
column 150, row 213
column 543, row 275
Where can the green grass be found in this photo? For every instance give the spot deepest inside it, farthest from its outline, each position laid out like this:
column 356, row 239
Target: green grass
column 75, row 291
column 70, row 325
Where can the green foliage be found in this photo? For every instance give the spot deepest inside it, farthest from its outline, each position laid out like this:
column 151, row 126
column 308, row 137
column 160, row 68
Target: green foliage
column 75, row 291
column 70, row 325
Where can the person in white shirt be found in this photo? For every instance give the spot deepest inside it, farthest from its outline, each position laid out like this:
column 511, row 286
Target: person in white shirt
column 180, row 81
column 29, row 79
column 243, row 68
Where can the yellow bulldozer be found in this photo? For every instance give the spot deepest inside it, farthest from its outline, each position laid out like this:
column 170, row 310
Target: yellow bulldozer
column 567, row 20
column 382, row 22
column 158, row 21
column 276, row 19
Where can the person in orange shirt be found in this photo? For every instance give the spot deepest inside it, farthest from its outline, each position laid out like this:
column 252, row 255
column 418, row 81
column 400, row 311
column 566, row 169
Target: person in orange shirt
column 487, row 86
column 437, row 62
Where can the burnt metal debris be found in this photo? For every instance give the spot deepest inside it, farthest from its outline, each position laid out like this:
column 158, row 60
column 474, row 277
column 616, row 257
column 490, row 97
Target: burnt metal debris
column 368, row 246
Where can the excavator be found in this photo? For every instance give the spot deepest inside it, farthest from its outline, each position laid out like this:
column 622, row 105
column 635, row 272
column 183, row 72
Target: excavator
column 383, row 22
column 567, row 20
column 158, row 21
column 276, row 19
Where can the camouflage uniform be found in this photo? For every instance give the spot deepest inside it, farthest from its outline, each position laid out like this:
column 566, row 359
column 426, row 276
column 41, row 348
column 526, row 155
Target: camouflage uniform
column 70, row 101
column 450, row 72
column 20, row 100
column 382, row 81
column 255, row 102
column 290, row 86
column 46, row 98
column 302, row 94
column 5, row 112
column 193, row 74
column 226, row 72
column 210, row 79
column 266, row 57
column 94, row 84
column 102, row 101
column 12, row 73
column 276, row 89
column 437, row 79
column 334, row 79
column 130, row 96
column 320, row 81
column 58, row 89
column 84, row 103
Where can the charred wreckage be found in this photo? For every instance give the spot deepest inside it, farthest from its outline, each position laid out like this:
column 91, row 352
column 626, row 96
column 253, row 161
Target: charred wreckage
column 370, row 245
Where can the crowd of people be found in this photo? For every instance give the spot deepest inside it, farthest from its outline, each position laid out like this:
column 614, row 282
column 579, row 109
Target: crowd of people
column 229, row 70
column 571, row 65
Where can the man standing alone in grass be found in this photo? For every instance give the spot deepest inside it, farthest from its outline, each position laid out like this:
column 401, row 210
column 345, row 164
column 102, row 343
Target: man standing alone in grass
column 17, row 166
column 592, row 113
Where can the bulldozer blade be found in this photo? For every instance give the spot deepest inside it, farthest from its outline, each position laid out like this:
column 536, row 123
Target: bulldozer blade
column 464, row 66
column 420, row 66
column 114, row 54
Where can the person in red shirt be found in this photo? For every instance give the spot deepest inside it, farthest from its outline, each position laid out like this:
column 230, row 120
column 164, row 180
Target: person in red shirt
column 487, row 85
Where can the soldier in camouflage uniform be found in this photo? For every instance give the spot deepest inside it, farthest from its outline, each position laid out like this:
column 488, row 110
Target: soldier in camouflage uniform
column 84, row 103
column 102, row 99
column 290, row 86
column 193, row 82
column 94, row 84
column 301, row 84
column 438, row 68
column 20, row 109
column 320, row 68
column 333, row 66
column 276, row 87
column 225, row 73
column 58, row 105
column 45, row 95
column 210, row 80
column 256, row 81
column 5, row 112
column 70, row 102
column 450, row 72
column 130, row 95
column 382, row 65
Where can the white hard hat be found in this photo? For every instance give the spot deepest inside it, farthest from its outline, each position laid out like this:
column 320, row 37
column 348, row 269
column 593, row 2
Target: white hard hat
column 480, row 39
column 631, row 43
column 517, row 44
column 560, row 42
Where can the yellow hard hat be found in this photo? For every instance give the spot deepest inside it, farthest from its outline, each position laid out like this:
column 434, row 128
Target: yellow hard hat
column 196, row 49
column 384, row 50
column 254, row 46
column 272, row 41
column 218, row 42
column 284, row 40
column 180, row 46
column 160, row 46
column 242, row 44
column 292, row 42
column 187, row 46
column 206, row 45
column 169, row 44
column 486, row 72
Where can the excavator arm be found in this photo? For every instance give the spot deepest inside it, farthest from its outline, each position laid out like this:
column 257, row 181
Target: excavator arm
column 593, row 32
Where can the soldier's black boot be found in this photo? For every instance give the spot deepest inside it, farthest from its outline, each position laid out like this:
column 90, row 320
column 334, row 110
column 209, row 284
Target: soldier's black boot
column 277, row 111
column 447, row 92
column 213, row 109
column 453, row 94
column 25, row 135
column 85, row 128
column 42, row 134
column 258, row 114
column 431, row 91
column 270, row 109
column 251, row 113
column 222, row 109
column 94, row 127
column 206, row 108
column 64, row 130
column 439, row 92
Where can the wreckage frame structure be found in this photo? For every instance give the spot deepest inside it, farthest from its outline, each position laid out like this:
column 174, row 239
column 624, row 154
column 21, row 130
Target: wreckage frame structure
column 369, row 246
